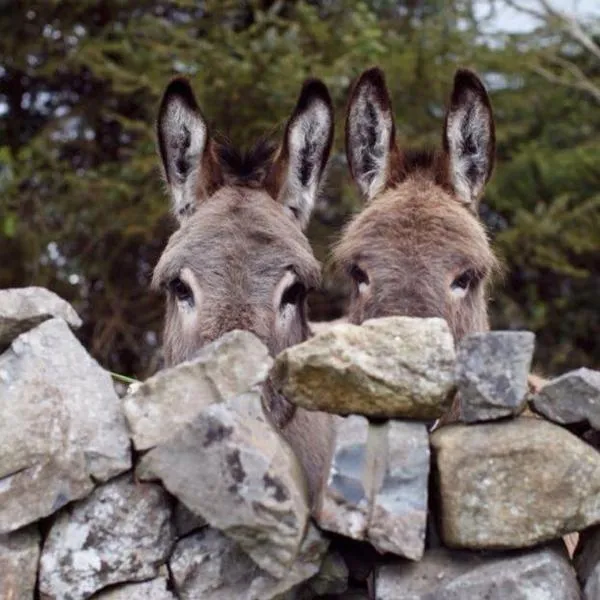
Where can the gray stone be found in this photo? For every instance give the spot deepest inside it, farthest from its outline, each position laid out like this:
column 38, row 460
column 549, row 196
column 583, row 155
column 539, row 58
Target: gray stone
column 19, row 555
column 398, row 514
column 571, row 398
column 248, row 483
column 121, row 533
column 22, row 309
column 210, row 566
column 155, row 589
column 513, row 484
column 587, row 563
column 492, row 370
column 61, row 425
column 540, row 574
column 231, row 365
column 332, row 579
column 185, row 520
column 390, row 367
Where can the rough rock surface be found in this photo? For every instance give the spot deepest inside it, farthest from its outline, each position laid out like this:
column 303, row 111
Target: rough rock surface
column 587, row 563
column 121, row 533
column 185, row 520
column 491, row 372
column 571, row 398
column 231, row 365
column 398, row 515
column 22, row 309
column 155, row 589
column 248, row 484
column 513, row 484
column 390, row 367
column 19, row 554
column 61, row 424
column 210, row 566
column 540, row 574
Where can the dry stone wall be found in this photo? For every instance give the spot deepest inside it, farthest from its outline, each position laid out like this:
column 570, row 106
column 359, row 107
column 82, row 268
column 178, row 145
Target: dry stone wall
column 183, row 489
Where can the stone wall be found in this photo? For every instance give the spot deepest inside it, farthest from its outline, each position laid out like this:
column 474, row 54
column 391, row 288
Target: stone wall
column 182, row 489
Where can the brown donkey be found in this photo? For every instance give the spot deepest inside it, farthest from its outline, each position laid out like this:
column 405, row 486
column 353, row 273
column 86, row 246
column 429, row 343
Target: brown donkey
column 239, row 259
column 418, row 248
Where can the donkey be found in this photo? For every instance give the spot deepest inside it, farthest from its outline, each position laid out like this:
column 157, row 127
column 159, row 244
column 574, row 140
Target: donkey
column 239, row 258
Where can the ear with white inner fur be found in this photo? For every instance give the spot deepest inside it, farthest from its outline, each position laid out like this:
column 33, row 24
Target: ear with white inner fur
column 297, row 172
column 370, row 133
column 183, row 141
column 469, row 137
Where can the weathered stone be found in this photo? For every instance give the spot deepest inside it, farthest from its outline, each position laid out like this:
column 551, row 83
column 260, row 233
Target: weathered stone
column 247, row 484
column 571, row 398
column 540, row 574
column 121, row 533
column 19, row 554
column 233, row 364
column 587, row 563
column 514, row 484
column 390, row 367
column 398, row 514
column 185, row 520
column 155, row 589
column 491, row 372
column 22, row 309
column 332, row 579
column 210, row 566
column 61, row 425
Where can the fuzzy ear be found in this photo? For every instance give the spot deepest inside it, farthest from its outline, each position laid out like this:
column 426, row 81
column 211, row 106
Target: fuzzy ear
column 469, row 137
column 370, row 133
column 298, row 169
column 184, row 144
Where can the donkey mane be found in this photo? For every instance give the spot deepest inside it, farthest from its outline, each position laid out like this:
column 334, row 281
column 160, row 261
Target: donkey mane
column 246, row 167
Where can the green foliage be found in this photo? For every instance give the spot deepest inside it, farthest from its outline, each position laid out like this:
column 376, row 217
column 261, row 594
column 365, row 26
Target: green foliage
column 83, row 210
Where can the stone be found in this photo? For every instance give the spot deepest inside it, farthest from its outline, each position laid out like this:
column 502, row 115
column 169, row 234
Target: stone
column 332, row 579
column 571, row 398
column 155, row 589
column 248, row 483
column 513, row 484
column 121, row 533
column 587, row 563
column 390, row 367
column 398, row 515
column 185, row 520
column 233, row 364
column 19, row 555
column 540, row 574
column 61, row 425
column 209, row 565
column 491, row 371
column 22, row 309
column 376, row 485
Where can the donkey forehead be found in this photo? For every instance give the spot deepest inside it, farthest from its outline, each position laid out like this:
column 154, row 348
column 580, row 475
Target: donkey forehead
column 238, row 229
column 418, row 221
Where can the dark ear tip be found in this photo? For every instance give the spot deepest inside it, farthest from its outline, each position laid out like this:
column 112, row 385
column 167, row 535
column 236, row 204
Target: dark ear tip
column 313, row 89
column 373, row 76
column 179, row 87
column 465, row 80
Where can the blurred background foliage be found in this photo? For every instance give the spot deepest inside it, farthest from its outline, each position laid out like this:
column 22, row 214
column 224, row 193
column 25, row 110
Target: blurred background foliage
column 83, row 210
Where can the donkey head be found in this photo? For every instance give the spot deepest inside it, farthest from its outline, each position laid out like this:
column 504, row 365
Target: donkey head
column 418, row 248
column 239, row 259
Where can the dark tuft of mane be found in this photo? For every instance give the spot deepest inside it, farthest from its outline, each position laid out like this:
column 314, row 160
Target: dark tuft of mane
column 249, row 167
column 418, row 160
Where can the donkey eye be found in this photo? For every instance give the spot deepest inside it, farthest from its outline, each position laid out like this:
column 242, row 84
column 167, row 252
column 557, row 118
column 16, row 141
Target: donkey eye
column 294, row 294
column 360, row 277
column 181, row 290
column 464, row 281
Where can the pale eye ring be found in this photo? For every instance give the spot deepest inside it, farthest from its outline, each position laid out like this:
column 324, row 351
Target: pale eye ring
column 463, row 283
column 181, row 290
column 360, row 277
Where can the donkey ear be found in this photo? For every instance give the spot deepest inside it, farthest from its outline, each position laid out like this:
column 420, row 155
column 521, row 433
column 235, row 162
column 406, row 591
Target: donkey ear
column 370, row 133
column 469, row 137
column 298, row 169
column 184, row 145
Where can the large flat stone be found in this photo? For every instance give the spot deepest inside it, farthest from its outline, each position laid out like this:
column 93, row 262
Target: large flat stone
column 121, row 533
column 492, row 370
column 155, row 589
column 571, row 398
column 22, row 309
column 540, row 574
column 513, row 484
column 247, row 484
column 61, row 425
column 391, row 367
column 231, row 365
column 19, row 555
column 587, row 563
